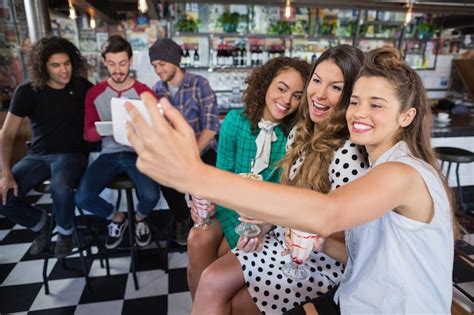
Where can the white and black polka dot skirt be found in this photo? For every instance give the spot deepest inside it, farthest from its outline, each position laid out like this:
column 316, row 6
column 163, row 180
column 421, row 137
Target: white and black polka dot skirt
column 272, row 291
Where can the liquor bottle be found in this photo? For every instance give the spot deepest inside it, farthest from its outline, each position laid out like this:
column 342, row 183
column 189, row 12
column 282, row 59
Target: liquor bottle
column 243, row 60
column 183, row 59
column 220, row 57
column 187, row 58
column 197, row 61
column 235, row 57
column 253, row 57
column 259, row 55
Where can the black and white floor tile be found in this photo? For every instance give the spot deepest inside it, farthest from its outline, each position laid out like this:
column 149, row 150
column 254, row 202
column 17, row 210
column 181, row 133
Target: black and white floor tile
column 22, row 290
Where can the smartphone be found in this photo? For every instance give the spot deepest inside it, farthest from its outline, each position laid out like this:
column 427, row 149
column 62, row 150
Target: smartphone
column 120, row 116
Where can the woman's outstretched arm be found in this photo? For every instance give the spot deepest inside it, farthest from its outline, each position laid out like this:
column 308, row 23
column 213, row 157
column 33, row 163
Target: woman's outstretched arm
column 168, row 153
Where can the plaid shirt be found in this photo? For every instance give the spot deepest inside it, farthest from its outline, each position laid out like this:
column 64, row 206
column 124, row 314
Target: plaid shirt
column 196, row 101
column 237, row 149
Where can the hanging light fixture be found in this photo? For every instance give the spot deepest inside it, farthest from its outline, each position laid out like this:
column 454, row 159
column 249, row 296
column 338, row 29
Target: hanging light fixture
column 72, row 11
column 287, row 9
column 142, row 6
column 409, row 14
column 92, row 22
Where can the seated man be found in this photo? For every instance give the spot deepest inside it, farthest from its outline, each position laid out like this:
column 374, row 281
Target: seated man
column 115, row 159
column 53, row 100
column 193, row 96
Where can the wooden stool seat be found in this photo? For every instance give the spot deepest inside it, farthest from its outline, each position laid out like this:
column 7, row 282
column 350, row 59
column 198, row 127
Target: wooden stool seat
column 121, row 182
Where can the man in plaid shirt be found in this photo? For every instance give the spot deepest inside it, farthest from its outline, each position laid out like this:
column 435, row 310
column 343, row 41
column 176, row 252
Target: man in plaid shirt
column 192, row 95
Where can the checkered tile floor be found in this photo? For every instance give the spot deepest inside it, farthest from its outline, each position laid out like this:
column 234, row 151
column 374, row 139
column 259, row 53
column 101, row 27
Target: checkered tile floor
column 22, row 290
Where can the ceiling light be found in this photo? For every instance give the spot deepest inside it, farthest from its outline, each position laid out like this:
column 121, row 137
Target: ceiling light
column 287, row 9
column 142, row 6
column 92, row 22
column 72, row 11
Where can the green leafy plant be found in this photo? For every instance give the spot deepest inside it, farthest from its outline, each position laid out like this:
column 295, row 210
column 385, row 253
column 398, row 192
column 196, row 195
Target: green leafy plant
column 300, row 27
column 280, row 28
column 229, row 21
column 187, row 24
column 424, row 30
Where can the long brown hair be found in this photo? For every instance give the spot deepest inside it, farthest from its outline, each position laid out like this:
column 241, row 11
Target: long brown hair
column 259, row 81
column 387, row 63
column 317, row 144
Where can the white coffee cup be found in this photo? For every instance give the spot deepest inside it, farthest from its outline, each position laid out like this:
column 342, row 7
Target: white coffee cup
column 443, row 116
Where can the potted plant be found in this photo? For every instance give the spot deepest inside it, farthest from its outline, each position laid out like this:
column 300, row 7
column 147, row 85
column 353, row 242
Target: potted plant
column 280, row 28
column 229, row 21
column 424, row 30
column 187, row 24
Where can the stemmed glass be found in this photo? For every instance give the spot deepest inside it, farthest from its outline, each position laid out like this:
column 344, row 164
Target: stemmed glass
column 247, row 229
column 302, row 246
column 202, row 206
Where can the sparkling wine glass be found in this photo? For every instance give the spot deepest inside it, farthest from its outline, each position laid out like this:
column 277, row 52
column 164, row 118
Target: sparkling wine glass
column 244, row 228
column 202, row 207
column 302, row 246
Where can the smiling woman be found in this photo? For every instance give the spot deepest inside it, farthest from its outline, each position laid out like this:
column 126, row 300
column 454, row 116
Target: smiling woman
column 251, row 140
column 403, row 199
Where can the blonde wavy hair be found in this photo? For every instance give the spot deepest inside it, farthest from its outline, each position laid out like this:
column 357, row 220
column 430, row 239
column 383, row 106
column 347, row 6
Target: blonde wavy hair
column 317, row 143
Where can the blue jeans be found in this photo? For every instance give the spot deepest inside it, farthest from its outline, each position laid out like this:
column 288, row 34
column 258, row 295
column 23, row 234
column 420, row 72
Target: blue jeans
column 65, row 170
column 102, row 172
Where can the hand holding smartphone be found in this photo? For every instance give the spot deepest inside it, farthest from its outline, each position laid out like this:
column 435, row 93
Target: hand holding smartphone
column 120, row 116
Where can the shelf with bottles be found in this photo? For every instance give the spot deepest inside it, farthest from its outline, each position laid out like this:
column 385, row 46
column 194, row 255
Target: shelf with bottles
column 228, row 100
column 421, row 54
column 371, row 43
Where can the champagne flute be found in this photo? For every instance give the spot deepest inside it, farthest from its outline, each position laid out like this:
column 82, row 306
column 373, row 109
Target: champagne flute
column 202, row 206
column 302, row 246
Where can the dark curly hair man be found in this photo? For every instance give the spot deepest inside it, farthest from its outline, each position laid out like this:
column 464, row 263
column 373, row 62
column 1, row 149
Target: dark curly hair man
column 53, row 100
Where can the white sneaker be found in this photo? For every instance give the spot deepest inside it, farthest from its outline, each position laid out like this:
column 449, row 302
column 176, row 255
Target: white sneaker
column 116, row 232
column 142, row 234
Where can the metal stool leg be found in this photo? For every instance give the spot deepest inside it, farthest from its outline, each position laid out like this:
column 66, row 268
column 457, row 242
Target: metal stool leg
column 95, row 241
column 461, row 201
column 449, row 171
column 131, row 234
column 46, row 258
column 81, row 254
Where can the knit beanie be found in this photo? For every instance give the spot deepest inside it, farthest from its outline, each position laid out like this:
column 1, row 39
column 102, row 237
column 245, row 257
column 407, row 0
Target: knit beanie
column 167, row 50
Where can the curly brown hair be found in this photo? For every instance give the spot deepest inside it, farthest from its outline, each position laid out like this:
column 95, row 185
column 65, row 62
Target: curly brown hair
column 259, row 81
column 40, row 53
column 317, row 143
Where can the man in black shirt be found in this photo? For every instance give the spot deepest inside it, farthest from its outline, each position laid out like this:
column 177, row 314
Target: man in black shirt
column 53, row 100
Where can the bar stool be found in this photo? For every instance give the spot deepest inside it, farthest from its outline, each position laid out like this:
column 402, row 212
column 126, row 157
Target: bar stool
column 120, row 183
column 457, row 156
column 45, row 188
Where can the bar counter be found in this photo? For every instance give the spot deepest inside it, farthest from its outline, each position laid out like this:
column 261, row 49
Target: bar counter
column 460, row 125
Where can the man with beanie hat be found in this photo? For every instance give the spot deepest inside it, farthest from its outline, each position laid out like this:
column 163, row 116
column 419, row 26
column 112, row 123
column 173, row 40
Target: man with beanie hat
column 192, row 95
